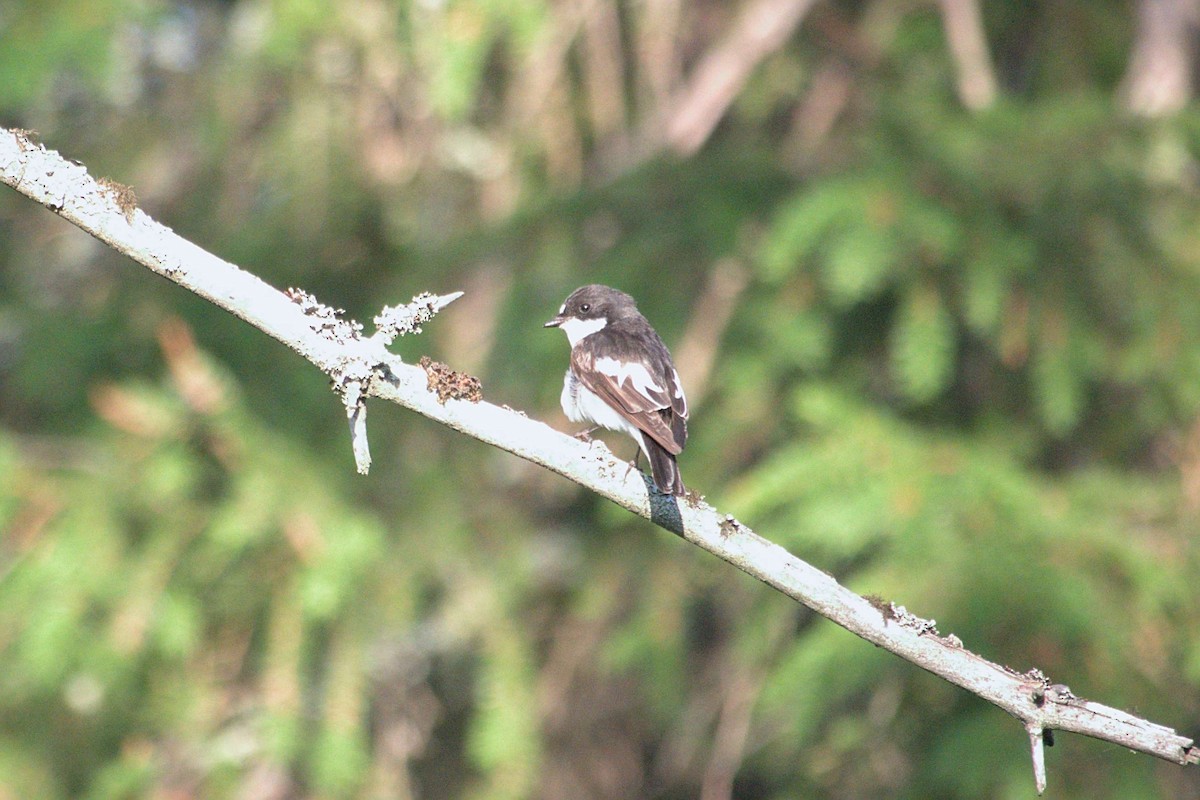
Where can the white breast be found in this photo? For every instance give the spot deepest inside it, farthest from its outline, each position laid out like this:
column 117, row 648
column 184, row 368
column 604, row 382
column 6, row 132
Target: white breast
column 581, row 404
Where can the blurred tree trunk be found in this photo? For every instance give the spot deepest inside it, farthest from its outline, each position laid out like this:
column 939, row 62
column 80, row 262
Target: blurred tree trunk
column 968, row 45
column 1159, row 78
column 762, row 28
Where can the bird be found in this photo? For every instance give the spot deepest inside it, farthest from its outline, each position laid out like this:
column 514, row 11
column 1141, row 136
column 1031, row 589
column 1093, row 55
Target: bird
column 621, row 377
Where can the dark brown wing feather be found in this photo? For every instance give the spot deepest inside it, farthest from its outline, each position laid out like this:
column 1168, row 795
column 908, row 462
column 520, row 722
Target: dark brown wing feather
column 664, row 468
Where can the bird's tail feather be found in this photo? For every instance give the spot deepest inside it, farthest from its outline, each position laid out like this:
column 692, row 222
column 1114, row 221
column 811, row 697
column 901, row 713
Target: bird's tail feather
column 663, row 467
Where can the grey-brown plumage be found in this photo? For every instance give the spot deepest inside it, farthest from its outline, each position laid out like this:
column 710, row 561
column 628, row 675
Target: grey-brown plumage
column 622, row 378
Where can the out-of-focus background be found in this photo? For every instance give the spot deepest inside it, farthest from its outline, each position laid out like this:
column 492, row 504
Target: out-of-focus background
column 931, row 274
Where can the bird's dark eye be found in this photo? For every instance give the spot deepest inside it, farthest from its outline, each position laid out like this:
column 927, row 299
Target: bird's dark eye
column 586, row 307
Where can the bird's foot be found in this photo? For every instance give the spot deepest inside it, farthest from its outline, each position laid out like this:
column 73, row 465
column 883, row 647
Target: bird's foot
column 585, row 436
column 634, row 464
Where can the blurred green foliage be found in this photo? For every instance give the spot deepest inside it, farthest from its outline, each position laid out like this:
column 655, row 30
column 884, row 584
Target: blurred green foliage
column 955, row 361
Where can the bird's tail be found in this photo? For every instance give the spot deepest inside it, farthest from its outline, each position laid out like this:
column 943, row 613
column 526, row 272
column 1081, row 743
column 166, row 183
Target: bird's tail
column 663, row 467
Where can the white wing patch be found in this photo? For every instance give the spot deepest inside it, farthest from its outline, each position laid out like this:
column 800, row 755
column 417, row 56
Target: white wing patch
column 679, row 394
column 578, row 329
column 633, row 371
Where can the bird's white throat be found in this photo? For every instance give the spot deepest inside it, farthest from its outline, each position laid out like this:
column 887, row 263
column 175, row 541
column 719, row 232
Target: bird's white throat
column 579, row 329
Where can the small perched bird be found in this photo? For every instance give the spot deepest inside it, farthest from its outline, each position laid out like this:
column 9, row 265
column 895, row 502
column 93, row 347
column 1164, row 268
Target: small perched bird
column 622, row 378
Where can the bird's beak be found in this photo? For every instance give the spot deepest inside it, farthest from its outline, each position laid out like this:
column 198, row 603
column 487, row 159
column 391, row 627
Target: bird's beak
column 554, row 323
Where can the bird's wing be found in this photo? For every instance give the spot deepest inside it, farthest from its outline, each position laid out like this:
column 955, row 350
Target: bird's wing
column 642, row 387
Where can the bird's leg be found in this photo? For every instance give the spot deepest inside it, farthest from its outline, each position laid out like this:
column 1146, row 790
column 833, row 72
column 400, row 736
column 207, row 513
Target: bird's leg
column 637, row 457
column 586, row 435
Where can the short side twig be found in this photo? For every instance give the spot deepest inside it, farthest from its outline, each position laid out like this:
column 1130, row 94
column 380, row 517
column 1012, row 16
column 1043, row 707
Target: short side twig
column 1036, row 742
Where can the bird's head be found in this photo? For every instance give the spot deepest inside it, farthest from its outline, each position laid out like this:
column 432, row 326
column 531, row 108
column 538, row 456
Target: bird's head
column 589, row 309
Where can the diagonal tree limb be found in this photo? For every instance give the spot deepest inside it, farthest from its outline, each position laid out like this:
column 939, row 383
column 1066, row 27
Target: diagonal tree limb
column 108, row 211
column 762, row 28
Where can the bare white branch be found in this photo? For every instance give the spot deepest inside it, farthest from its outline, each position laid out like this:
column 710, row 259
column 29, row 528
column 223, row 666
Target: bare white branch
column 361, row 367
